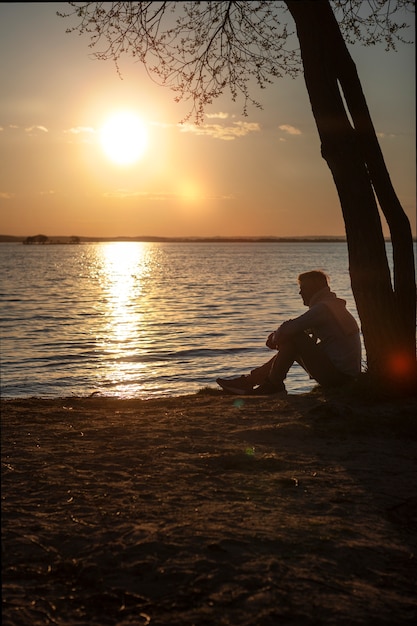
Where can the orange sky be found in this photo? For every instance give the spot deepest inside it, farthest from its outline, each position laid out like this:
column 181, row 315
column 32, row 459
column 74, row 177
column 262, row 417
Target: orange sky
column 234, row 176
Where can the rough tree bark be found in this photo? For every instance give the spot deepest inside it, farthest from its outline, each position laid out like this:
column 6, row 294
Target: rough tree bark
column 352, row 152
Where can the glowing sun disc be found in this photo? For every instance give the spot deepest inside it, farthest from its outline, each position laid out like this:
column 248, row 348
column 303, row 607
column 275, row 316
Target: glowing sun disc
column 124, row 138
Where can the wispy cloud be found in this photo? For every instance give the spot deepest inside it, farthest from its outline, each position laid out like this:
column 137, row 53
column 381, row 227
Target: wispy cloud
column 290, row 130
column 128, row 193
column 217, row 116
column 78, row 130
column 157, row 196
column 217, row 131
column 8, row 195
column 386, row 135
column 35, row 127
column 83, row 134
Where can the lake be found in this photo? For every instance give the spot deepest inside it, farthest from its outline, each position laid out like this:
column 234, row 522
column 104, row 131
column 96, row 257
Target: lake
column 150, row 319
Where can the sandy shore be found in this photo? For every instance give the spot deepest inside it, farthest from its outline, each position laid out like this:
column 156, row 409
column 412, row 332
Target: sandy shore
column 209, row 510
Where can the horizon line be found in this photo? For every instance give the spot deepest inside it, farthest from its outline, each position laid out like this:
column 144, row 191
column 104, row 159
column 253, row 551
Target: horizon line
column 51, row 239
column 156, row 238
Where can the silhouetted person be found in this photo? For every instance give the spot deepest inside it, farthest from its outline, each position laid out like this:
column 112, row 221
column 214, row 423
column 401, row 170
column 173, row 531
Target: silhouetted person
column 325, row 341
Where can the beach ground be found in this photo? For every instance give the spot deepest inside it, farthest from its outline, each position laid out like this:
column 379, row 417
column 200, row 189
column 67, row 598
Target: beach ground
column 209, row 510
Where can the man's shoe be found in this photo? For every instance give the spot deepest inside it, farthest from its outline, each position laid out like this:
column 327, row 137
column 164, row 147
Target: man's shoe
column 268, row 389
column 239, row 386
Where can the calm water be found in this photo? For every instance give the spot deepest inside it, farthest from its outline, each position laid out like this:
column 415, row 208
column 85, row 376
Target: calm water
column 149, row 319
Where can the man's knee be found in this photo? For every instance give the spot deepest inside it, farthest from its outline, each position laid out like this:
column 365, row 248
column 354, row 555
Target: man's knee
column 299, row 343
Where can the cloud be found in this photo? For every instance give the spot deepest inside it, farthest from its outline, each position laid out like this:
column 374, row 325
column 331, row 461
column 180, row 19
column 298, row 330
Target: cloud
column 291, row 130
column 78, row 130
column 162, row 124
column 217, row 131
column 127, row 193
column 35, row 127
column 226, row 196
column 158, row 196
column 81, row 133
column 386, row 135
column 122, row 193
column 7, row 195
column 217, row 116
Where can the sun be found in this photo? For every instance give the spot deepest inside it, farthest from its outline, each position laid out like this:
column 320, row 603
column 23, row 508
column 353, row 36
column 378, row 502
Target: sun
column 124, row 138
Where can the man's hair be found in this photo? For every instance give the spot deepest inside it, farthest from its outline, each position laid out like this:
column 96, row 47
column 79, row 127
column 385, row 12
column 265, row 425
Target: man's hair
column 316, row 277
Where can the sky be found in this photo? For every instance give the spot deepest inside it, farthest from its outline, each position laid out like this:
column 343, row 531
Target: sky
column 260, row 175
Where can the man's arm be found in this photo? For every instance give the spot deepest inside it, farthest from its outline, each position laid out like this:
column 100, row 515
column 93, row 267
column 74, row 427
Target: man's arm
column 300, row 324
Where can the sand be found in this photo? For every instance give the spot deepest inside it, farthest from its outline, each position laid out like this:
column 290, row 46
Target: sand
column 209, row 510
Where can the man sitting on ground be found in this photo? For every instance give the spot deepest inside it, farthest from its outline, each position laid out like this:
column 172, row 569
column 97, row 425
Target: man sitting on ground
column 325, row 341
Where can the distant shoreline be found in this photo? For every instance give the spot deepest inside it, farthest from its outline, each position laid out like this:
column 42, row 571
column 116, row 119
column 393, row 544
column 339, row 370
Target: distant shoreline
column 54, row 240
column 66, row 240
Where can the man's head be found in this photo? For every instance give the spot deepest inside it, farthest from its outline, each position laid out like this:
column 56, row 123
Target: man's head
column 310, row 283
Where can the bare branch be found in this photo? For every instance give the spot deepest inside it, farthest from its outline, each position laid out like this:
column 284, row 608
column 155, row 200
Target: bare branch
column 202, row 49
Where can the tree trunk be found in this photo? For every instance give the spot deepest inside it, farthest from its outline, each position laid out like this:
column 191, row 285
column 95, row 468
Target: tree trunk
column 388, row 317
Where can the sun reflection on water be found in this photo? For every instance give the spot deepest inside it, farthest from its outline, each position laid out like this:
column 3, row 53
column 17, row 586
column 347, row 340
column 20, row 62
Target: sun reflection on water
column 125, row 267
